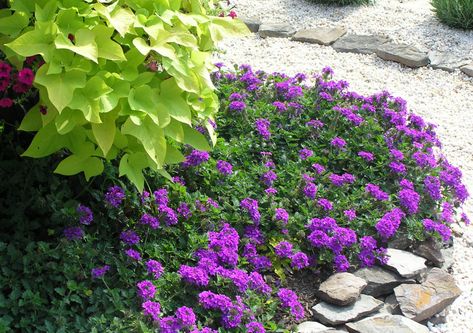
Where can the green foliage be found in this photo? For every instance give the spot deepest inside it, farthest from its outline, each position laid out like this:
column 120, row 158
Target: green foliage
column 455, row 13
column 122, row 80
column 344, row 2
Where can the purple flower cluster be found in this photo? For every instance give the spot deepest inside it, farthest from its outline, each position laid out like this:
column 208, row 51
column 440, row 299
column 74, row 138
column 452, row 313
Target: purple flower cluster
column 350, row 214
column 151, row 309
column 269, row 177
column 289, row 300
column 114, row 196
column 305, row 153
column 149, row 220
column 195, row 158
column 262, row 126
column 85, row 214
column 155, row 268
column 310, row 190
column 194, row 275
column 133, row 254
column 325, row 204
column 99, row 272
column 338, row 143
column 224, row 168
column 340, row 180
column 376, row 192
column 443, row 230
column 129, row 237
column 299, row 260
column 73, row 233
column 389, row 223
column 146, row 289
column 409, row 200
column 283, row 249
column 251, row 207
column 433, row 188
column 367, row 156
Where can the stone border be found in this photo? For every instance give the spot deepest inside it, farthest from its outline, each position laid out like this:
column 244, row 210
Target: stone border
column 382, row 46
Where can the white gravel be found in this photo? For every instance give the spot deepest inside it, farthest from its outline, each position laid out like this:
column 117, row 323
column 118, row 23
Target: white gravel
column 440, row 97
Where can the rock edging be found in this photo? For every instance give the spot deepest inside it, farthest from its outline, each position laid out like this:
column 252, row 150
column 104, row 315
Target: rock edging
column 382, row 46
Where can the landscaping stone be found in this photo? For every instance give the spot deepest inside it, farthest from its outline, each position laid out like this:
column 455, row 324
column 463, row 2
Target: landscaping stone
column 364, row 44
column 430, row 250
column 386, row 324
column 400, row 241
column 421, row 301
column 336, row 315
column 408, row 265
column 404, row 54
column 253, row 23
column 282, row 30
column 447, row 255
column 445, row 61
column 311, row 327
column 468, row 69
column 380, row 281
column 391, row 305
column 341, row 289
column 323, row 36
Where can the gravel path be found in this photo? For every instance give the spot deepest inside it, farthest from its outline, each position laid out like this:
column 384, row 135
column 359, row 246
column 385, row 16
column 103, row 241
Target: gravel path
column 440, row 97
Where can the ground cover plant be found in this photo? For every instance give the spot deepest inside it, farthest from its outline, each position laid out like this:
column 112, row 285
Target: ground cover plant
column 302, row 180
column 455, row 13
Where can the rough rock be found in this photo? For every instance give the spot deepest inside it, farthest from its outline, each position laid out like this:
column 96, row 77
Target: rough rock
column 311, row 327
column 391, row 305
column 447, row 255
column 408, row 265
column 283, row 30
column 253, row 23
column 421, row 301
column 445, row 61
column 404, row 54
column 364, row 44
column 386, row 324
column 380, row 281
column 468, row 69
column 335, row 315
column 430, row 250
column 341, row 289
column 323, row 35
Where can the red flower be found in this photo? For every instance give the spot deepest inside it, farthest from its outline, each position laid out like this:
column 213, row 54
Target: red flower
column 4, row 83
column 5, row 102
column 232, row 14
column 5, row 70
column 43, row 109
column 26, row 76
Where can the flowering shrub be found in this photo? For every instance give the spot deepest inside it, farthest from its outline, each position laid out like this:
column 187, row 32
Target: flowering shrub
column 302, row 178
column 121, row 80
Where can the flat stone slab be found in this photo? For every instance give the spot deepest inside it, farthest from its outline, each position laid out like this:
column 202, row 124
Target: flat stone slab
column 445, row 61
column 336, row 315
column 253, row 23
column 468, row 69
column 282, row 30
column 323, row 35
column 421, row 301
column 391, row 305
column 341, row 289
column 311, row 327
column 386, row 324
column 430, row 250
column 404, row 54
column 406, row 264
column 380, row 281
column 364, row 44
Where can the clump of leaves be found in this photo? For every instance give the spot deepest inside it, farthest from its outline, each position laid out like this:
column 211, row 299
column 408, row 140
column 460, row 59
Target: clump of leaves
column 121, row 80
column 454, row 13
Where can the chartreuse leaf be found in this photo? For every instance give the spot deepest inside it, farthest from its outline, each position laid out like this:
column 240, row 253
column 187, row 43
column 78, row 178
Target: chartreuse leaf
column 61, row 86
column 85, row 44
column 45, row 142
column 122, row 19
column 222, row 27
column 31, row 122
column 195, row 139
column 104, row 133
column 31, row 43
column 151, row 138
column 173, row 155
column 71, row 165
column 68, row 119
column 12, row 24
column 142, row 98
column 171, row 98
column 131, row 165
column 107, row 48
column 46, row 12
column 175, row 131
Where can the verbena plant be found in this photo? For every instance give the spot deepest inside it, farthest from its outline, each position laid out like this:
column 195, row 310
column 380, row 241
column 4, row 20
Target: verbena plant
column 454, row 13
column 302, row 179
column 121, row 80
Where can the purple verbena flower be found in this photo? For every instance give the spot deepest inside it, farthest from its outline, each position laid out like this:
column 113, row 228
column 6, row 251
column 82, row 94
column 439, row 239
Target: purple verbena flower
column 129, row 237
column 99, row 272
column 146, row 289
column 73, row 233
column 85, row 214
column 155, row 268
column 262, row 126
column 151, row 309
column 224, row 168
column 114, row 196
